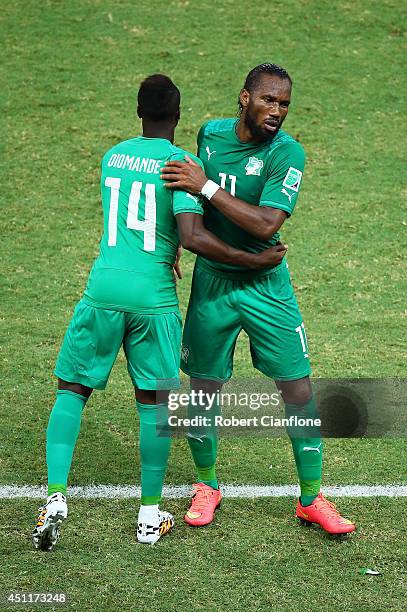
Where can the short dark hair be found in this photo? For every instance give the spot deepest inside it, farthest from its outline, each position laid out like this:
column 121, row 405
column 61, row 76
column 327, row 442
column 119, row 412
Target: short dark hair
column 255, row 74
column 158, row 98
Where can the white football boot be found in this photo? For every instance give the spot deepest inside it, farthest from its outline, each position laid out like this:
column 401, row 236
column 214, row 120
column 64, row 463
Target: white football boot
column 46, row 532
column 152, row 524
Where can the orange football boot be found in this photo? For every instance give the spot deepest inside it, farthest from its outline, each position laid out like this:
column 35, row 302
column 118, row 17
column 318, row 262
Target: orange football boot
column 325, row 514
column 204, row 503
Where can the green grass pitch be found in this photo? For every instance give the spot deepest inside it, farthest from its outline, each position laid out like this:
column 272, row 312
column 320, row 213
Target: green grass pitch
column 68, row 92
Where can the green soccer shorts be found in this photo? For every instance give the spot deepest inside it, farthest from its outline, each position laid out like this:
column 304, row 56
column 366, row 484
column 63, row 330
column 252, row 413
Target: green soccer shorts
column 264, row 307
column 151, row 343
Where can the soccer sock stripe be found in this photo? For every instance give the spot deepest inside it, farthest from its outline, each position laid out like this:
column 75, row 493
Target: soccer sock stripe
column 154, row 450
column 62, row 432
column 56, row 488
column 309, row 490
column 307, row 448
column 207, row 475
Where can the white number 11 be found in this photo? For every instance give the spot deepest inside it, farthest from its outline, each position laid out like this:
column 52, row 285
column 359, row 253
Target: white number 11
column 303, row 337
column 232, row 179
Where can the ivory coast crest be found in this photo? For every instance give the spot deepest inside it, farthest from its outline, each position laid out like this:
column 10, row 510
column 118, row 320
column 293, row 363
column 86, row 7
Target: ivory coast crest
column 254, row 166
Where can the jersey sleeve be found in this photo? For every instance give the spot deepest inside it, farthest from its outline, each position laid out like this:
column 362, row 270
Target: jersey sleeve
column 201, row 135
column 285, row 175
column 182, row 201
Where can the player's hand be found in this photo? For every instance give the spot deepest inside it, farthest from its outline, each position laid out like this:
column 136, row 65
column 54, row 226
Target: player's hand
column 177, row 266
column 273, row 256
column 187, row 175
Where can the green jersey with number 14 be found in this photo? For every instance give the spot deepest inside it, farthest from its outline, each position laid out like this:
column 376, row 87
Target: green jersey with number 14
column 266, row 174
column 134, row 270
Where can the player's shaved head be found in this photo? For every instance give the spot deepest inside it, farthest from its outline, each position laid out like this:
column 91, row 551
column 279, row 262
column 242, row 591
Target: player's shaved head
column 158, row 99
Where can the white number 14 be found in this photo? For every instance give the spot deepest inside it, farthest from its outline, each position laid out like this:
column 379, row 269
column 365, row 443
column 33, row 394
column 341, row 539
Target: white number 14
column 133, row 222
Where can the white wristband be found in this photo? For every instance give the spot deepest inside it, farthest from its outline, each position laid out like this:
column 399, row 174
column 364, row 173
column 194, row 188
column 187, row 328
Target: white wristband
column 209, row 189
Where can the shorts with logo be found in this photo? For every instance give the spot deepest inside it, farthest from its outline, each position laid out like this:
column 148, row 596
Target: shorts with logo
column 264, row 307
column 151, row 343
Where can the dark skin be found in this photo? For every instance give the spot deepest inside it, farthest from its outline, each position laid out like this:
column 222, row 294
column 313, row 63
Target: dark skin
column 196, row 238
column 143, row 396
column 293, row 394
column 263, row 112
column 264, row 109
column 292, row 391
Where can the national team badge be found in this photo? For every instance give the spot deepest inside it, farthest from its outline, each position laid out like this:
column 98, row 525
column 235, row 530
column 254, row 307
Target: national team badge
column 254, row 166
column 292, row 179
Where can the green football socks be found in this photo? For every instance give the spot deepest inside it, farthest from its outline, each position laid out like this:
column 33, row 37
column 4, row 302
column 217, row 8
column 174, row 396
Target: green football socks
column 307, row 448
column 62, row 432
column 207, row 475
column 63, row 429
column 154, row 450
column 203, row 442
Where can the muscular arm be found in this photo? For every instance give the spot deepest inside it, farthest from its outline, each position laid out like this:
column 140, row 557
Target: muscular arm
column 196, row 238
column 261, row 222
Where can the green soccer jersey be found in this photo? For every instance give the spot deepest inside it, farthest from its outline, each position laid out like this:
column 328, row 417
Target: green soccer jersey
column 267, row 174
column 134, row 270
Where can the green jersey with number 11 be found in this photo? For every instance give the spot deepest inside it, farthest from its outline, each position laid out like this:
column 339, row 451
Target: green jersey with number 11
column 134, row 270
column 266, row 174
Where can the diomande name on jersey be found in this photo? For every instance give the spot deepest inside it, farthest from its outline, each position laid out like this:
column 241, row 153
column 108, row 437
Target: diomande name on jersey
column 133, row 272
column 138, row 164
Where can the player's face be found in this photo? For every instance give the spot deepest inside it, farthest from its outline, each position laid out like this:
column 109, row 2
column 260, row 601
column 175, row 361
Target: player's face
column 266, row 107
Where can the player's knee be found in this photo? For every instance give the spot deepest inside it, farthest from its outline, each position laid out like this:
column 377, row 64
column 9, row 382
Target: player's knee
column 151, row 396
column 205, row 385
column 297, row 392
column 63, row 385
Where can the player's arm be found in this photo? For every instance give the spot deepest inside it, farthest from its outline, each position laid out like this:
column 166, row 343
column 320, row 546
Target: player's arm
column 177, row 264
column 260, row 221
column 196, row 238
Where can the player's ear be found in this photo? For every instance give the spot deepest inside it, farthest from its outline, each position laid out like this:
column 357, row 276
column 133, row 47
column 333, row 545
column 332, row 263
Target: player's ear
column 138, row 112
column 244, row 98
column 177, row 116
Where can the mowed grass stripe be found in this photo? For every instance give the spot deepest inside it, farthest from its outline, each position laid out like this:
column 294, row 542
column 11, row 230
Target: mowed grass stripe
column 231, row 491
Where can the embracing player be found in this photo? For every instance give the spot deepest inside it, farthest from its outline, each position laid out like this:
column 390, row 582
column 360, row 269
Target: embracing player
column 252, row 178
column 131, row 301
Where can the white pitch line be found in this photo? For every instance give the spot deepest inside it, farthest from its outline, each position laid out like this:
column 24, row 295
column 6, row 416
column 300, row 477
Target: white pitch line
column 231, row 491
